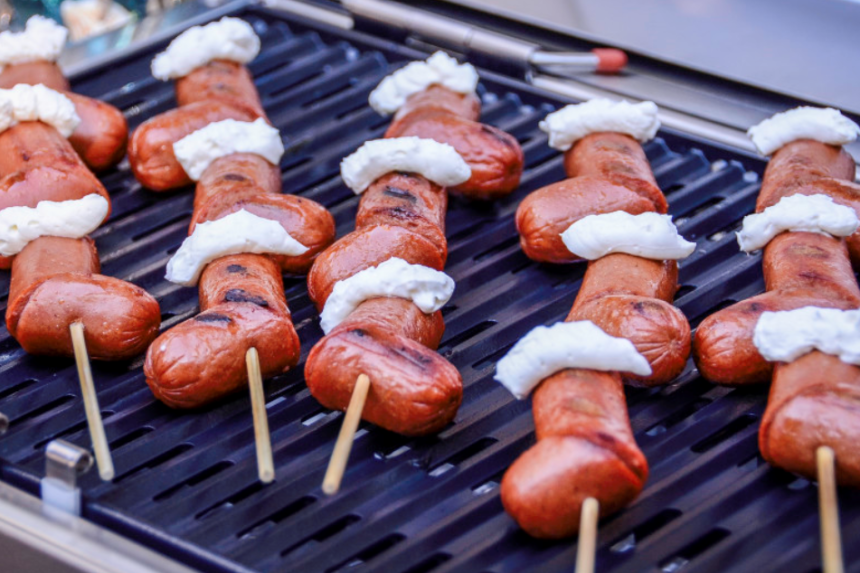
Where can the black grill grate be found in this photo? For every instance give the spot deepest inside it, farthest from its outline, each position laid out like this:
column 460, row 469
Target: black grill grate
column 186, row 483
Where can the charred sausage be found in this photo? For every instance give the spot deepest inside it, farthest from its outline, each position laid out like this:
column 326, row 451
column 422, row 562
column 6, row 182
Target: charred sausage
column 150, row 150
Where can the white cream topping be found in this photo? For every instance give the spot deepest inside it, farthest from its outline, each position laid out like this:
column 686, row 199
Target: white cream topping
column 573, row 122
column 197, row 151
column 546, row 350
column 227, row 39
column 788, row 335
column 648, row 235
column 239, row 232
column 810, row 213
column 440, row 68
column 72, row 219
column 37, row 103
column 428, row 288
column 826, row 125
column 438, row 162
column 41, row 39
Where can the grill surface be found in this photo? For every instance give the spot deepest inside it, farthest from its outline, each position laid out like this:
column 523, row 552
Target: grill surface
column 186, row 483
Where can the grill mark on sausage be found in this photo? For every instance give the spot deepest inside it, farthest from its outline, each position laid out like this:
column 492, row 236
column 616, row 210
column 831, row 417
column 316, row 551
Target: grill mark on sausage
column 241, row 295
column 417, row 359
column 213, row 317
column 236, row 269
column 392, row 191
column 234, row 177
column 500, row 136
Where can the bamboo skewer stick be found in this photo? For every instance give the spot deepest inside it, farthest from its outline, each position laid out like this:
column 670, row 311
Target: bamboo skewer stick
column 265, row 463
column 91, row 403
column 831, row 542
column 340, row 455
column 587, row 544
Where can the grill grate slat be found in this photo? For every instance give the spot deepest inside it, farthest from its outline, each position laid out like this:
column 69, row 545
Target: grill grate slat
column 187, row 482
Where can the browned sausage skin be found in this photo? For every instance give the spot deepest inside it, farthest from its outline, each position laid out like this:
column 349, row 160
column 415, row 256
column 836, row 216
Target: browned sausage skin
column 150, row 151
column 55, row 280
column 800, row 269
column 585, row 449
column 814, row 401
column 203, row 359
column 585, row 444
column 100, row 138
column 495, row 157
column 242, row 301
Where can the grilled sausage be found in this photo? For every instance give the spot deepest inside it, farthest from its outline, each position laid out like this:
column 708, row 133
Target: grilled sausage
column 42, row 72
column 495, row 157
column 413, row 391
column 101, row 136
column 585, row 444
column 814, row 401
column 585, row 449
column 807, row 167
column 224, row 81
column 203, row 359
column 800, row 269
column 54, row 284
column 607, row 172
column 630, row 297
column 150, row 151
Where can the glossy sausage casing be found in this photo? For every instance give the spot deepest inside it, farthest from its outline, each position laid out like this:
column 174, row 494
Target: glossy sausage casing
column 101, row 136
column 54, row 283
column 220, row 80
column 800, row 269
column 150, row 150
column 203, row 359
column 585, row 449
column 414, row 391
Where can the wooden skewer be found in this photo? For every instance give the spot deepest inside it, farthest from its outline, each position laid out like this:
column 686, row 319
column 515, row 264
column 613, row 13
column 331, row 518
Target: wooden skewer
column 91, row 403
column 831, row 542
column 587, row 536
column 265, row 463
column 340, row 455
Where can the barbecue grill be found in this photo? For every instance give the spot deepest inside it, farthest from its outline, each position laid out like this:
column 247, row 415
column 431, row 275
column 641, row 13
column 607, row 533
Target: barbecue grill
column 186, row 485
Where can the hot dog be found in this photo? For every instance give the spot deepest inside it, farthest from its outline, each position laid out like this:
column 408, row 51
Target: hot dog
column 414, row 391
column 435, row 99
column 54, row 280
column 213, row 90
column 800, row 269
column 150, row 150
column 814, row 399
column 585, row 444
column 608, row 172
column 101, row 136
column 241, row 296
column 242, row 300
column 585, row 449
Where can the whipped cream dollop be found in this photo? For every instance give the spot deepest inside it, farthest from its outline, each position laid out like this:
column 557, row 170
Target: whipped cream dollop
column 72, row 219
column 439, row 69
column 239, row 232
column 810, row 213
column 826, row 125
column 573, row 122
column 428, row 288
column 197, row 151
column 227, row 39
column 788, row 335
column 546, row 350
column 438, row 162
column 41, row 39
column 37, row 103
column 647, row 235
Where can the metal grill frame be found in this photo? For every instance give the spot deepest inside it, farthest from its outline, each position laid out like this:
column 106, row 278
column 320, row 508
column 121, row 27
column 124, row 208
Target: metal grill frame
column 186, row 483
